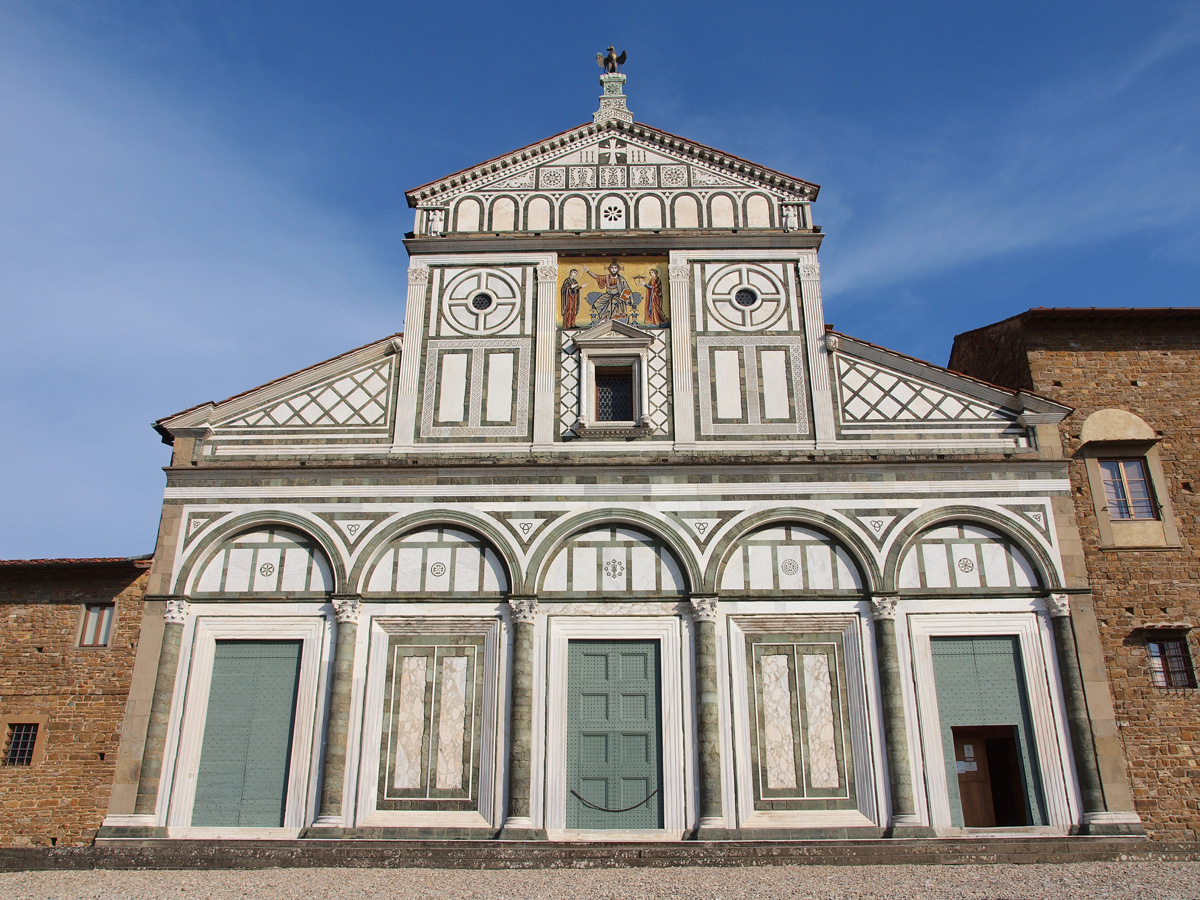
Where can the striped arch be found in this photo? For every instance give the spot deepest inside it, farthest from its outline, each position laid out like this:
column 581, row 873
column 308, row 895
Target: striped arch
column 264, row 553
column 635, row 527
column 449, row 535
column 847, row 552
column 1029, row 564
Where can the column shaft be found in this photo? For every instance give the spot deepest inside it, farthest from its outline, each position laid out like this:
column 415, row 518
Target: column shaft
column 337, row 730
column 521, row 723
column 709, row 737
column 160, row 714
column 1077, row 716
column 895, row 728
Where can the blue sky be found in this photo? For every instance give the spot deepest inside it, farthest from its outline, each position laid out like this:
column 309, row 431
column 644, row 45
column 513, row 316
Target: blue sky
column 198, row 197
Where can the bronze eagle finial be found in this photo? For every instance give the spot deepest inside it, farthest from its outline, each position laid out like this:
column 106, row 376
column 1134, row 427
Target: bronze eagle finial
column 610, row 63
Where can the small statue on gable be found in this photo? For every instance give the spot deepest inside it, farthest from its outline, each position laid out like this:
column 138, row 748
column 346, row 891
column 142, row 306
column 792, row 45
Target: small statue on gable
column 611, row 64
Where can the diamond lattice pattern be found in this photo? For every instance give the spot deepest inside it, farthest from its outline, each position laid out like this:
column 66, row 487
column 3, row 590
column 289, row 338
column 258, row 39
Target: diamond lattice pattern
column 356, row 399
column 873, row 394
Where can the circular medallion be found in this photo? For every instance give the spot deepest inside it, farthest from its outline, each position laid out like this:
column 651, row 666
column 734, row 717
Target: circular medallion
column 437, row 570
column 789, row 567
column 266, row 570
column 966, row 565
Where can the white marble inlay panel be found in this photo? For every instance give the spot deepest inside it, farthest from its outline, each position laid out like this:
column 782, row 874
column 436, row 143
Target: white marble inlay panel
column 643, row 563
column 408, row 568
column 762, row 575
column 266, row 572
column 820, row 567
column 452, row 723
column 410, row 723
column 937, row 572
column 452, row 396
column 466, row 568
column 614, row 576
column 779, row 741
column 818, row 705
column 295, row 570
column 727, row 369
column 501, row 367
column 995, row 565
column 775, row 384
column 237, row 571
column 437, row 568
column 967, row 565
column 583, row 574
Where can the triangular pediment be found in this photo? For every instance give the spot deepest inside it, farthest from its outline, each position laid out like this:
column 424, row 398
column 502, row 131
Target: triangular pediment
column 611, row 333
column 612, row 156
column 880, row 391
column 352, row 394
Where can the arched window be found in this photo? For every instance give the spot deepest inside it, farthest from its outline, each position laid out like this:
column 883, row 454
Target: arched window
column 614, row 559
column 790, row 558
column 964, row 555
column 265, row 560
column 437, row 560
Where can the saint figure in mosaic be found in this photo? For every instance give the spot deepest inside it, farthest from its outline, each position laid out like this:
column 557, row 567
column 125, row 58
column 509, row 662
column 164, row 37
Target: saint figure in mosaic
column 655, row 312
column 570, row 299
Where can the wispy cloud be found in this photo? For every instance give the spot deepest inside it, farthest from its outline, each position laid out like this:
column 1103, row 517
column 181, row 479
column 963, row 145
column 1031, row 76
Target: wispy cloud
column 144, row 266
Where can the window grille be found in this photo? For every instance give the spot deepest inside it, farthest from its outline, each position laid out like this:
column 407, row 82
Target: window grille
column 18, row 748
column 614, row 394
column 1170, row 665
column 97, row 625
column 1127, row 488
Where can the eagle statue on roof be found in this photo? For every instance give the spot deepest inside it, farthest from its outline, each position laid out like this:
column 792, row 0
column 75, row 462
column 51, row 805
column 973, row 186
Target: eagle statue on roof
column 612, row 62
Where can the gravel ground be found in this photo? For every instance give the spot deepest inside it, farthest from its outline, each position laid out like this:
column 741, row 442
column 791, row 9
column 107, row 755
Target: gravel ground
column 1069, row 881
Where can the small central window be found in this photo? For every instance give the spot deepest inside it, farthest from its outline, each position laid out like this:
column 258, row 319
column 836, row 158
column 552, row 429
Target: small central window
column 482, row 301
column 1127, row 489
column 745, row 298
column 18, row 748
column 614, row 393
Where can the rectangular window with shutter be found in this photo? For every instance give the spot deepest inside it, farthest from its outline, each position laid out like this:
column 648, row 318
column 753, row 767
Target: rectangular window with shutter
column 1127, row 489
column 97, row 625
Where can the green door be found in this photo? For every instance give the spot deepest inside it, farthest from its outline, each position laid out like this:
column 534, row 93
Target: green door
column 614, row 735
column 980, row 684
column 247, row 748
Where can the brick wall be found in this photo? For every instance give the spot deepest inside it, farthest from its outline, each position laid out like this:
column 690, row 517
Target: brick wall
column 63, row 797
column 1091, row 366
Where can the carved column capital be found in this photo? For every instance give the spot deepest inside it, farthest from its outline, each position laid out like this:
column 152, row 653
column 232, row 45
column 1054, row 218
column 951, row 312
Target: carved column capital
column 345, row 610
column 680, row 273
column 883, row 606
column 810, row 269
column 831, row 342
column 177, row 611
column 418, row 275
column 1058, row 605
column 704, row 609
column 547, row 273
column 524, row 609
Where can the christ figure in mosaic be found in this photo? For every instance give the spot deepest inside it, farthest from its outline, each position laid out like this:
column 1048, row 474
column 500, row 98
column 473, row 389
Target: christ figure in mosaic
column 616, row 299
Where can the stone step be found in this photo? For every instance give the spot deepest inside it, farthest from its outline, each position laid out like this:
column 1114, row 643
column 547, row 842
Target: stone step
column 230, row 854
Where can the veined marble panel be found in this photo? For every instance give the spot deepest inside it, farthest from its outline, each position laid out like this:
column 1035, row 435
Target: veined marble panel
column 452, row 721
column 778, row 738
column 410, row 723
column 822, row 740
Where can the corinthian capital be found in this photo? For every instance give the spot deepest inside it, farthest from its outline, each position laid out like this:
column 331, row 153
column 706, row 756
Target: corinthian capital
column 547, row 273
column 680, row 273
column 704, row 609
column 1058, row 605
column 524, row 609
column 177, row 611
column 418, row 275
column 345, row 610
column 883, row 608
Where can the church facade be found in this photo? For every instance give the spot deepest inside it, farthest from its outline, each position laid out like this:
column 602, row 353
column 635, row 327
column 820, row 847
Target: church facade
column 618, row 539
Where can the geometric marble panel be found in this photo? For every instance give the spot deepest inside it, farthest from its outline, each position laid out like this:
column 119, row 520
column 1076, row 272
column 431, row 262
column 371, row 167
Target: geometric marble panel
column 439, row 561
column 789, row 558
column 357, row 399
column 265, row 560
column 612, row 560
column 965, row 556
column 870, row 393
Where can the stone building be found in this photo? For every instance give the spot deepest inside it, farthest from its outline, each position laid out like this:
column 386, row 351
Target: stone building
column 617, row 539
column 71, row 631
column 1133, row 444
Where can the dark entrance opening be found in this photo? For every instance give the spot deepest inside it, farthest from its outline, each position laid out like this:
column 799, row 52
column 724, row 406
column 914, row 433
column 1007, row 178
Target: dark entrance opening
column 991, row 783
